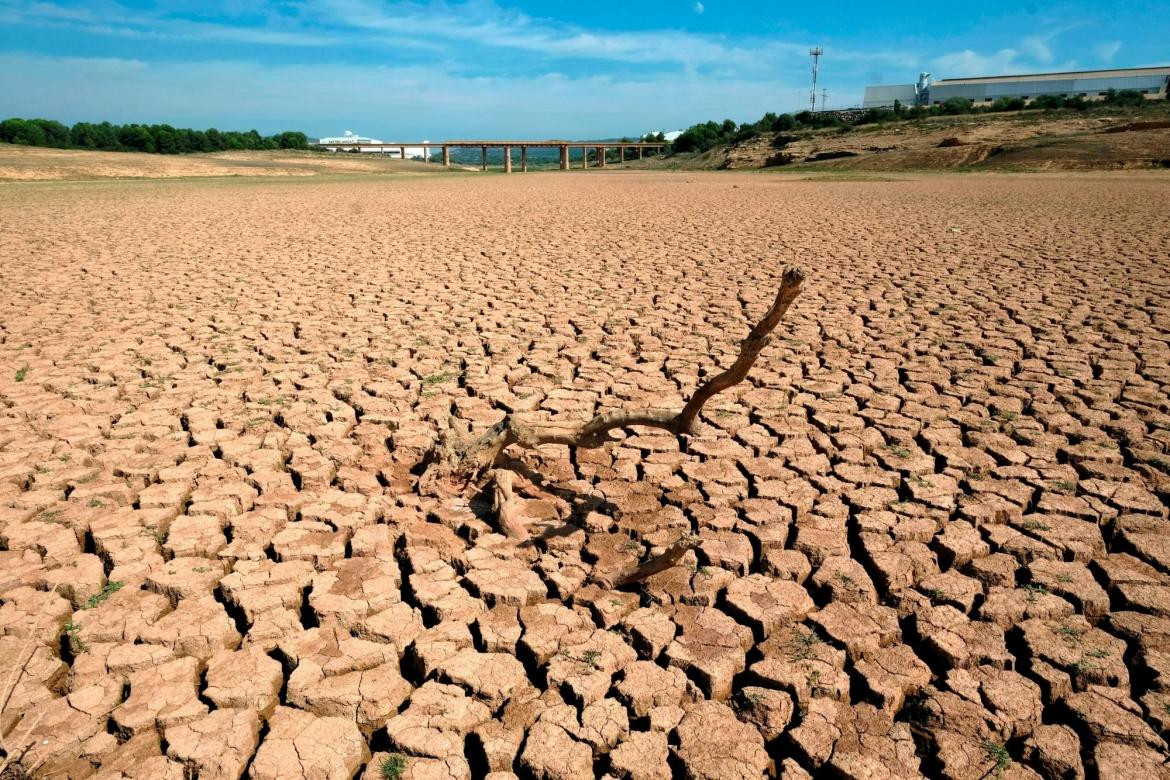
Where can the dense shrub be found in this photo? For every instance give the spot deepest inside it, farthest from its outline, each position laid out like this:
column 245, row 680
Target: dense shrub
column 162, row 139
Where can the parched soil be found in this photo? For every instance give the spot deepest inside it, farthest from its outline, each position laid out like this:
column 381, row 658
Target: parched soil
column 27, row 163
column 933, row 534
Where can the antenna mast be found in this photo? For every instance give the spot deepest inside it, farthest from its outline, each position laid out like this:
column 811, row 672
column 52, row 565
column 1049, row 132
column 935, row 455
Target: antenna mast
column 815, row 53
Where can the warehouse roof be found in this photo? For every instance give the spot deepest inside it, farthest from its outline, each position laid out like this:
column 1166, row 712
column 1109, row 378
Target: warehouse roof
column 1116, row 72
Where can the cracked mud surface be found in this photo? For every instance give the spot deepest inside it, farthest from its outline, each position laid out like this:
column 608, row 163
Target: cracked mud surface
column 933, row 522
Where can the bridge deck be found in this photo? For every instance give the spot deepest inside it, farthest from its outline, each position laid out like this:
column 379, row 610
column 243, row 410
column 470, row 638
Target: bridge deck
column 478, row 144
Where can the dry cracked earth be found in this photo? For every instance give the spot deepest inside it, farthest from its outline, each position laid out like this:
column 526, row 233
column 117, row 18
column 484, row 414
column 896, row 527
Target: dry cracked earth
column 933, row 523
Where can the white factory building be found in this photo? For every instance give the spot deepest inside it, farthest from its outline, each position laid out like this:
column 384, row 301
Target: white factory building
column 348, row 142
column 985, row 90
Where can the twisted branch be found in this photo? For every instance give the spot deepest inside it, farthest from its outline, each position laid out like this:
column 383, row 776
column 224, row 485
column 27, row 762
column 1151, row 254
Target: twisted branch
column 474, row 458
column 482, row 462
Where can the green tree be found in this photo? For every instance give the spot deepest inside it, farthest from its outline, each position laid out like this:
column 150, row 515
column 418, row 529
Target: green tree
column 136, row 138
column 22, row 131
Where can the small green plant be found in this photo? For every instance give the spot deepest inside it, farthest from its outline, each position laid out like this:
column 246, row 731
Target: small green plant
column 1064, row 486
column 801, row 647
column 590, row 657
column 76, row 644
column 1070, row 634
column 1036, row 525
column 895, row 447
column 393, row 766
column 1065, row 578
column 936, row 594
column 845, row 579
column 435, row 379
column 999, row 754
column 109, row 589
column 1033, row 590
column 1099, row 652
column 22, row 372
column 94, row 503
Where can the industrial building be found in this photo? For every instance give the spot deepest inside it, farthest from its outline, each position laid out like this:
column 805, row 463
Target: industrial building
column 984, row 90
column 359, row 143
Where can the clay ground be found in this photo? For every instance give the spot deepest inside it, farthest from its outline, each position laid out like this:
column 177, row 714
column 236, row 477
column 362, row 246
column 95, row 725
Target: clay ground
column 933, row 523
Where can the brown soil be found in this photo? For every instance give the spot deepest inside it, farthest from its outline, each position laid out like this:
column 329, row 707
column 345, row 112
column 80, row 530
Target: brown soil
column 24, row 163
column 933, row 534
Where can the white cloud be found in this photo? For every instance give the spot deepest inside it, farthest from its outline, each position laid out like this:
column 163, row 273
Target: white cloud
column 968, row 63
column 405, row 103
column 1037, row 48
column 1107, row 50
column 699, row 8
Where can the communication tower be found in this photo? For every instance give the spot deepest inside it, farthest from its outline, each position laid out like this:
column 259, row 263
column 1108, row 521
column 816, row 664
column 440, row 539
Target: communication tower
column 815, row 53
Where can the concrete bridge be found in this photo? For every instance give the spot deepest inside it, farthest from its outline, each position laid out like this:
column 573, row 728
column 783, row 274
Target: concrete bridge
column 599, row 148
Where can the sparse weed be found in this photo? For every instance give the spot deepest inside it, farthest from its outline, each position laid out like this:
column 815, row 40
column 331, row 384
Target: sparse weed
column 895, row 447
column 1070, row 634
column 22, row 372
column 1064, row 486
column 76, row 644
column 801, row 648
column 936, row 594
column 393, row 766
column 999, row 754
column 1034, row 591
column 589, row 657
column 94, row 504
column 435, row 379
column 109, row 589
column 1036, row 525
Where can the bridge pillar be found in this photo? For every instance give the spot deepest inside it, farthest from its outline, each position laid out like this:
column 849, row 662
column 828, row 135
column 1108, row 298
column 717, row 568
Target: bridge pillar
column 446, row 156
column 601, row 157
column 507, row 159
column 402, row 152
column 426, row 154
column 622, row 154
column 564, row 157
column 524, row 159
column 584, row 157
column 639, row 153
column 483, row 166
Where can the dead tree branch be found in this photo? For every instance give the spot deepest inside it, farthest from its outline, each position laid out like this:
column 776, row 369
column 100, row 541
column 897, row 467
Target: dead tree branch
column 471, row 459
column 481, row 462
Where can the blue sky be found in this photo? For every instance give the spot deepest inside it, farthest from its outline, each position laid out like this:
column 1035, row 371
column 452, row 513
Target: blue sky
column 494, row 68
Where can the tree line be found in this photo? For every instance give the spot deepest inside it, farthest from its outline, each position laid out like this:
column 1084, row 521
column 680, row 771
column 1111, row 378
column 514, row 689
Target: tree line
column 707, row 135
column 158, row 139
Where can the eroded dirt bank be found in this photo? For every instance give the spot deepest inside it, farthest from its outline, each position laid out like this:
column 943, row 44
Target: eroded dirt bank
column 933, row 523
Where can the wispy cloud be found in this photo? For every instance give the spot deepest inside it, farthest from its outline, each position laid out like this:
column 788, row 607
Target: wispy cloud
column 1037, row 48
column 424, row 102
column 1107, row 50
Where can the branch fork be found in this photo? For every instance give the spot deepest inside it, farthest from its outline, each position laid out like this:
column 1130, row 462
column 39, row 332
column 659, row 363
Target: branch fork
column 458, row 464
